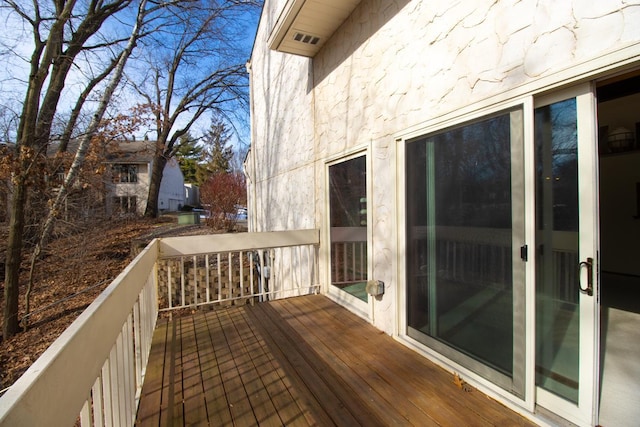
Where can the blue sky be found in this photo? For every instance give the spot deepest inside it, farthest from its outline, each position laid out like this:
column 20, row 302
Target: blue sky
column 16, row 47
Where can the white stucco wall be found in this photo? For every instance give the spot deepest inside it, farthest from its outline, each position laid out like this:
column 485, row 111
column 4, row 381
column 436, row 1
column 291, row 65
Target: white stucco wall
column 394, row 66
column 282, row 136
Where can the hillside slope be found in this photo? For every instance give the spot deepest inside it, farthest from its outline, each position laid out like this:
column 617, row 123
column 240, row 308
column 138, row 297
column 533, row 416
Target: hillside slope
column 73, row 272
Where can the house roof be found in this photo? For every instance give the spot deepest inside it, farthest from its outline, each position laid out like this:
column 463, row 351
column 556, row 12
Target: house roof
column 139, row 152
column 131, row 152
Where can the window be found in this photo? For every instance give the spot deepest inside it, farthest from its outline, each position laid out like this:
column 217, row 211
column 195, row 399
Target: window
column 348, row 214
column 125, row 173
column 125, row 204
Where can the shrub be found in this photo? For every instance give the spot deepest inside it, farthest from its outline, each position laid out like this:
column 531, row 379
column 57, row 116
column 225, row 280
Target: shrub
column 221, row 195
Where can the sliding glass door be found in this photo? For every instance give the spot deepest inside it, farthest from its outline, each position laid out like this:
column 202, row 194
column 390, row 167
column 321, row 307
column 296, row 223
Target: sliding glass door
column 467, row 261
column 465, row 245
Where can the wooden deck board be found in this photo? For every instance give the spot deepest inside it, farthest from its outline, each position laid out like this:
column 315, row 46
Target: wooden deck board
column 217, row 403
column 149, row 407
column 434, row 382
column 381, row 399
column 298, row 362
column 194, row 407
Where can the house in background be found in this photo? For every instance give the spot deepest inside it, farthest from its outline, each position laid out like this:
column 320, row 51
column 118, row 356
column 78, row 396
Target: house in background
column 478, row 158
column 128, row 188
column 191, row 195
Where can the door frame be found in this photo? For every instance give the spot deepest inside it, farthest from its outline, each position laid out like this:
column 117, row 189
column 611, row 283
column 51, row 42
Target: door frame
column 585, row 412
column 494, row 390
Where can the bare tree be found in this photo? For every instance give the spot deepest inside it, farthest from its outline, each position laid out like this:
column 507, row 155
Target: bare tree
column 194, row 69
column 85, row 141
column 60, row 32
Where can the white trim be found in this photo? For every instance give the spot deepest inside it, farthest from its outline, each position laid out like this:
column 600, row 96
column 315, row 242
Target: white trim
column 370, row 208
column 400, row 317
column 342, row 156
column 530, row 268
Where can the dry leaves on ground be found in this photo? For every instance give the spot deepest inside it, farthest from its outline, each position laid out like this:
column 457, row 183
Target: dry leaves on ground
column 73, row 272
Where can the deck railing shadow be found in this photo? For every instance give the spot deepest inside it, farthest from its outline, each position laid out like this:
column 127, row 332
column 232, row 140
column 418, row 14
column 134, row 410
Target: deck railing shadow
column 93, row 373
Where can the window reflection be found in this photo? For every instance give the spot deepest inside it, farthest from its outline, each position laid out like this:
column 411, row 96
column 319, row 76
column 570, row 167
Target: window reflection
column 348, row 221
column 459, row 239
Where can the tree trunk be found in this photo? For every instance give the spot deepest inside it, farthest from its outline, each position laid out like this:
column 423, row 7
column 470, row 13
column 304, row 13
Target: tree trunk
column 10, row 326
column 154, row 186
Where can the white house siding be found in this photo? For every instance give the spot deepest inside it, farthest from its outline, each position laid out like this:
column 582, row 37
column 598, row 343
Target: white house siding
column 171, row 195
column 138, row 189
column 282, row 184
column 393, row 66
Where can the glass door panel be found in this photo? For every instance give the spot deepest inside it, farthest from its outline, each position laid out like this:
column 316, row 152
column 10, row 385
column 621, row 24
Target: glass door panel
column 557, row 225
column 566, row 254
column 348, row 222
column 465, row 230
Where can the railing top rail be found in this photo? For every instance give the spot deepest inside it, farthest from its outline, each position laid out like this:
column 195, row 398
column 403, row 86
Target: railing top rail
column 68, row 368
column 213, row 243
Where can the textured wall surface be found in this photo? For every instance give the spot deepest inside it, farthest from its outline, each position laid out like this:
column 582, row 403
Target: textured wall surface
column 394, row 65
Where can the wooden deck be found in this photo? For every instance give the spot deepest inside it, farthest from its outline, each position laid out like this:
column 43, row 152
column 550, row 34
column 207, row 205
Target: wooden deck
column 297, row 362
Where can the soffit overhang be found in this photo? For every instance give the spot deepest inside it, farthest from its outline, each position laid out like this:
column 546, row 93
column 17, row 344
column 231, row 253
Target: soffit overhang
column 304, row 26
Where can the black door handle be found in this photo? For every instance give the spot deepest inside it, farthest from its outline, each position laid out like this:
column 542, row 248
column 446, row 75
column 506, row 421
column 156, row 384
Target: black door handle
column 589, row 264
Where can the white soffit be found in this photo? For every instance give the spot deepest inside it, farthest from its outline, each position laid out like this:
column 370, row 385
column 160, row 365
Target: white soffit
column 305, row 25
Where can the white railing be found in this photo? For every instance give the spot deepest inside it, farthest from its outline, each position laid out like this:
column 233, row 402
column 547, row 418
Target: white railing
column 95, row 370
column 348, row 255
column 237, row 268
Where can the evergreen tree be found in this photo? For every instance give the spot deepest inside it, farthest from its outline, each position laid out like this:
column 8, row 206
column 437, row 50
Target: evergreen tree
column 190, row 157
column 219, row 153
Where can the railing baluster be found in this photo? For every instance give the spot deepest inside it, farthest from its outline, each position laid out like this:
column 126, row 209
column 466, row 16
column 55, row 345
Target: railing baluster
column 183, row 301
column 128, row 361
column 274, row 271
column 207, row 281
column 85, row 413
column 116, row 406
column 363, row 259
column 253, row 290
column 107, row 392
column 120, row 381
column 290, row 277
column 137, row 337
column 230, row 269
column 311, row 270
column 169, row 287
column 298, row 270
column 241, row 274
column 96, row 394
column 355, row 262
column 345, row 274
column 219, row 279
column 195, row 280
column 262, row 289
